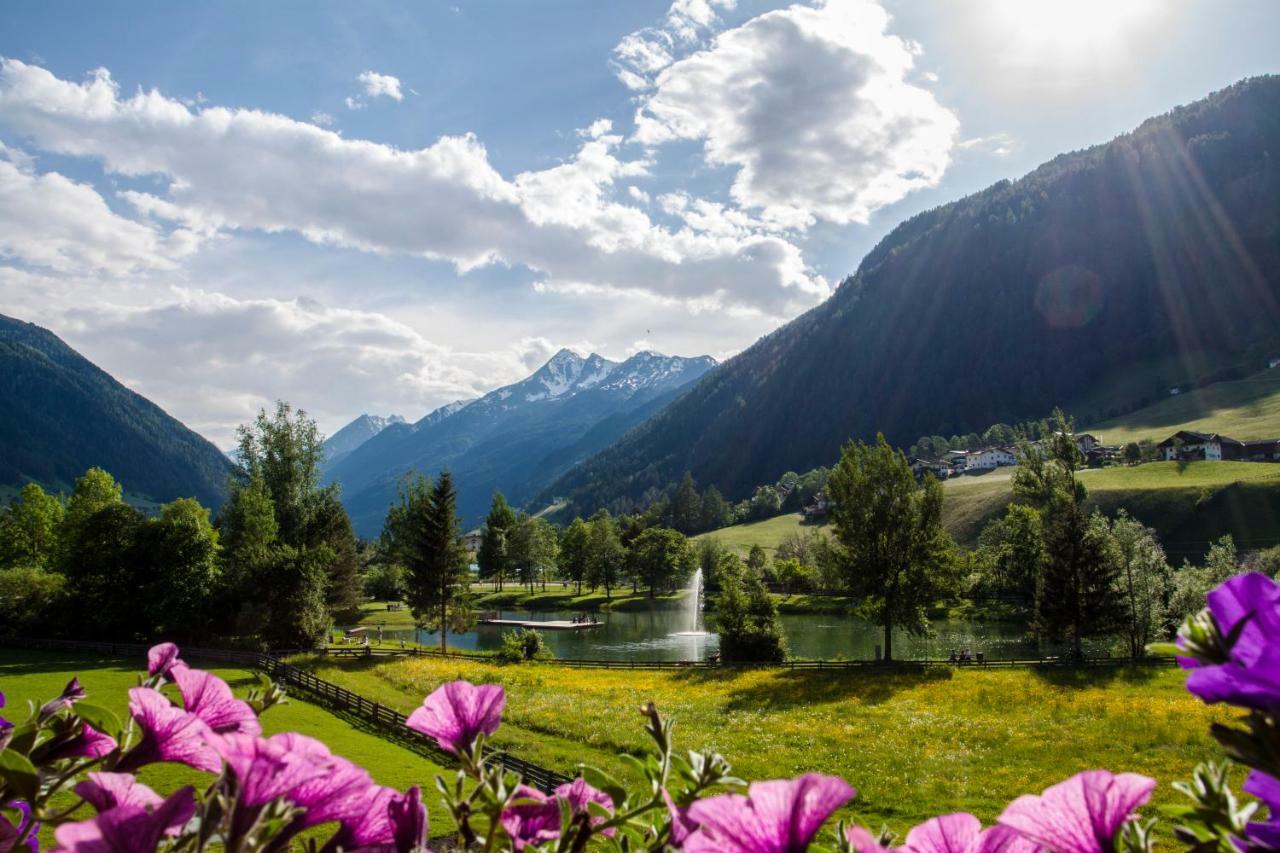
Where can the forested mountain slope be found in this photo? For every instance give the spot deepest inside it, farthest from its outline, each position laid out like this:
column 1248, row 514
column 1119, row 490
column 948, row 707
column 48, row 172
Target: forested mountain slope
column 1161, row 247
column 60, row 415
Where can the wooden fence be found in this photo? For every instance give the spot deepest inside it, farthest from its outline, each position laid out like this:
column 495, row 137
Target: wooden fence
column 330, row 694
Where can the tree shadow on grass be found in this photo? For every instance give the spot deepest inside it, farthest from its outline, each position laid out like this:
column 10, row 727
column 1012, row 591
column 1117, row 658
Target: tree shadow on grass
column 1097, row 676
column 17, row 662
column 785, row 689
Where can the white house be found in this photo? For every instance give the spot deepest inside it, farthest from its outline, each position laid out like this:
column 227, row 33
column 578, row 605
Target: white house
column 986, row 458
column 1186, row 444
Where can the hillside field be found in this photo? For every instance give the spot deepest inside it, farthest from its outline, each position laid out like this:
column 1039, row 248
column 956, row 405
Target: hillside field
column 914, row 743
column 39, row 676
column 1245, row 409
column 1189, row 505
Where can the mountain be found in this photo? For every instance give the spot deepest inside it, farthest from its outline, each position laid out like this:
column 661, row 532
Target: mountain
column 61, row 415
column 1095, row 282
column 355, row 434
column 517, row 438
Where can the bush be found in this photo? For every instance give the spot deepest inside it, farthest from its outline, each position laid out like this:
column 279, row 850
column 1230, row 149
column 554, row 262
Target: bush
column 26, row 597
column 524, row 644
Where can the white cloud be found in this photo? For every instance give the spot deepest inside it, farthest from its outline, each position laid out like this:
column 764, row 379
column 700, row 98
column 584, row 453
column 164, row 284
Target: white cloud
column 638, row 194
column 245, row 169
column 52, row 222
column 380, row 85
column 642, row 54
column 812, row 107
column 354, row 103
column 321, row 118
column 1000, row 144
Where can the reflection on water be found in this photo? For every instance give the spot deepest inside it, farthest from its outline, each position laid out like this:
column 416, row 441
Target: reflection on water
column 664, row 635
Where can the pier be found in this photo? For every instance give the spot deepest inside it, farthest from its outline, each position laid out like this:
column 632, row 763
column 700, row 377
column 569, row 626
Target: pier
column 552, row 625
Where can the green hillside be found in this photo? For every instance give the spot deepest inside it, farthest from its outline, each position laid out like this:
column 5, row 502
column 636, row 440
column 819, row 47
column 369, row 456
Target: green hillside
column 1189, row 505
column 1245, row 409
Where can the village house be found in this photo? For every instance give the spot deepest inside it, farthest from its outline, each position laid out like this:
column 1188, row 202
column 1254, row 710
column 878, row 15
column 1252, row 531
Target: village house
column 937, row 467
column 817, row 508
column 1187, row 445
column 472, row 539
column 983, row 459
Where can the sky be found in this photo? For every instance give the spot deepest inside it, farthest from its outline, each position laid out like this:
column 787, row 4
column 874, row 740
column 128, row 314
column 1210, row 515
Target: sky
column 383, row 207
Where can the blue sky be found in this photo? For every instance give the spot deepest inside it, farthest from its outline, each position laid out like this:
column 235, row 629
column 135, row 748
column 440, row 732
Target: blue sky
column 383, row 207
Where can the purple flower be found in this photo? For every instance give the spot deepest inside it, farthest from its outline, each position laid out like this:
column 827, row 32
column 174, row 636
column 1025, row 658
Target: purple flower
column 4, row 724
column 168, row 734
column 456, row 713
column 128, row 828
column 1251, row 676
column 106, row 791
column 1265, row 834
column 962, row 833
column 778, row 816
column 578, row 794
column 9, row 834
column 210, row 699
column 90, row 743
column 1080, row 815
column 161, row 658
column 388, row 820
column 336, row 793
column 71, row 694
column 681, row 826
column 532, row 818
column 266, row 771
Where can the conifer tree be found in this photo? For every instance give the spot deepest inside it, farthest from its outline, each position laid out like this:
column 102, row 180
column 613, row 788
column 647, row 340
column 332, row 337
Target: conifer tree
column 494, row 555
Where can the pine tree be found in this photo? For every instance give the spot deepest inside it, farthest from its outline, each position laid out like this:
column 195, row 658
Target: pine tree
column 422, row 533
column 493, row 556
column 686, row 506
column 573, row 552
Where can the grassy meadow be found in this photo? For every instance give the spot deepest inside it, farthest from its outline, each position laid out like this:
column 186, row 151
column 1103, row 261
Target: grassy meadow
column 914, row 743
column 1245, row 409
column 1189, row 505
column 39, row 676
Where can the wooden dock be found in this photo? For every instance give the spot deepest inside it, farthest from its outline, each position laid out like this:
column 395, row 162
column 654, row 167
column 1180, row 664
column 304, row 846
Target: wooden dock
column 552, row 625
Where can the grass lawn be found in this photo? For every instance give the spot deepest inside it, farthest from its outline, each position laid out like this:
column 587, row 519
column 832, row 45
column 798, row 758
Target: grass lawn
column 768, row 534
column 39, row 676
column 1245, row 409
column 915, row 744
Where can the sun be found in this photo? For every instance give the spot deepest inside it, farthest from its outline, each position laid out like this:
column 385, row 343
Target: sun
column 1069, row 34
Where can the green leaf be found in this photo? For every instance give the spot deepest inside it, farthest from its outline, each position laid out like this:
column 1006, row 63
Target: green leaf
column 100, row 718
column 602, row 781
column 19, row 774
column 23, row 738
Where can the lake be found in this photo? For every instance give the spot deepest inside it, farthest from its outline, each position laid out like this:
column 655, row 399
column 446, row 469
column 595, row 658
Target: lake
column 656, row 635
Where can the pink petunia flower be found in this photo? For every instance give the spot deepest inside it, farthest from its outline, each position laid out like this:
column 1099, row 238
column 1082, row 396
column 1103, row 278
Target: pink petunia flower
column 456, row 713
column 387, row 820
column 128, row 828
column 210, row 699
column 90, row 743
column 578, row 794
column 266, row 771
column 336, row 793
column 681, row 825
column 777, row 816
column 161, row 658
column 1082, row 814
column 532, row 818
column 168, row 734
column 70, row 695
column 105, row 791
column 951, row 833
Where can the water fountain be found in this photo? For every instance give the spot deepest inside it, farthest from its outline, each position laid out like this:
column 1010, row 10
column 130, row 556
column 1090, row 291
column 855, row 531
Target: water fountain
column 693, row 607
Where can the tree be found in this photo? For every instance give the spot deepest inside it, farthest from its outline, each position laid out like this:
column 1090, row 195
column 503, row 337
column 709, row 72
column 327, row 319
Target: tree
column 794, row 576
column 493, row 556
column 1145, row 582
column 284, row 451
column 330, row 526
column 889, row 536
column 746, row 616
column 574, row 552
column 686, row 506
column 180, row 566
column 661, row 557
column 798, row 546
column 716, row 511
column 1078, row 597
column 103, row 571
column 27, row 597
column 534, row 547
column 29, row 530
column 1192, row 583
column 93, row 491
column 292, row 590
column 1015, row 555
column 765, row 502
column 605, row 554
column 758, row 561
column 385, row 582
column 421, row 533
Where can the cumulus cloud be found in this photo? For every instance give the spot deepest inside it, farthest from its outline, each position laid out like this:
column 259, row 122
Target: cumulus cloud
column 321, row 118
column 245, row 169
column 52, row 222
column 813, row 108
column 1000, row 144
column 380, row 85
column 642, row 54
column 214, row 360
